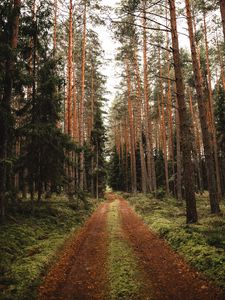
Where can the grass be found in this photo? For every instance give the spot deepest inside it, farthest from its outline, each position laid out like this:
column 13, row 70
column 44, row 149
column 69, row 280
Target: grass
column 123, row 270
column 29, row 244
column 202, row 244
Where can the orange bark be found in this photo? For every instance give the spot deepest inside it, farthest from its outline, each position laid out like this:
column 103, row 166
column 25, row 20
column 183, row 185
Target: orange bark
column 82, row 97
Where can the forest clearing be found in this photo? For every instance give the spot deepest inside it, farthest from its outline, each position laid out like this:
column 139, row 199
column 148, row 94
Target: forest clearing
column 112, row 149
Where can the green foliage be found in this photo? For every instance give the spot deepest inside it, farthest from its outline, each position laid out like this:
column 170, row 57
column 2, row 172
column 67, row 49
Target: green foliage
column 28, row 244
column 98, row 139
column 159, row 166
column 45, row 146
column 123, row 270
column 220, row 128
column 117, row 174
column 220, row 116
column 160, row 193
column 202, row 244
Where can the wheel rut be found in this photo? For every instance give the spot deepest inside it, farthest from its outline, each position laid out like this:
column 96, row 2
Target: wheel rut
column 83, row 270
column 80, row 274
column 166, row 274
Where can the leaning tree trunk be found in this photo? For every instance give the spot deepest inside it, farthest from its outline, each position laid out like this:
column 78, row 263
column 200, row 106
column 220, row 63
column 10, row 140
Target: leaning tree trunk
column 208, row 149
column 5, row 105
column 184, row 123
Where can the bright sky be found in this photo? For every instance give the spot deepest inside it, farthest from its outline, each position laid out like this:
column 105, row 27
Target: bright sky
column 109, row 45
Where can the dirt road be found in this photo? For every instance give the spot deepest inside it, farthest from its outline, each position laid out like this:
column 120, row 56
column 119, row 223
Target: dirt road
column 82, row 271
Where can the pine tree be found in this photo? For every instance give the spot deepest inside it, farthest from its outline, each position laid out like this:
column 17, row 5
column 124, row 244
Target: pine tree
column 220, row 127
column 184, row 124
column 9, row 27
column 208, row 149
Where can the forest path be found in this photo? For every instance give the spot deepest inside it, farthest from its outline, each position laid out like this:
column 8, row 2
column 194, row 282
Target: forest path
column 80, row 273
column 83, row 271
column 166, row 274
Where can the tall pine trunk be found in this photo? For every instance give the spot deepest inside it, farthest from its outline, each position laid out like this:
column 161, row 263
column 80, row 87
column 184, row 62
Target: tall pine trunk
column 179, row 161
column 184, row 123
column 148, row 124
column 70, row 72
column 144, row 179
column 211, row 111
column 6, row 123
column 82, row 97
column 163, row 126
column 132, row 138
column 197, row 150
column 208, row 149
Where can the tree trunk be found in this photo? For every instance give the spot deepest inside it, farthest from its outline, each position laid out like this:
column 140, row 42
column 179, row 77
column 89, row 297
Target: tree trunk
column 211, row 112
column 209, row 155
column 132, row 141
column 169, row 107
column 221, row 63
column 184, row 123
column 82, row 97
column 97, row 183
column 179, row 161
column 5, row 125
column 70, row 71
column 197, row 150
column 144, row 177
column 164, row 139
column 148, row 125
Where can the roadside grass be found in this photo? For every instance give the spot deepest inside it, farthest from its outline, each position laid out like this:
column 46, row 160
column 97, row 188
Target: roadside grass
column 202, row 244
column 123, row 269
column 29, row 243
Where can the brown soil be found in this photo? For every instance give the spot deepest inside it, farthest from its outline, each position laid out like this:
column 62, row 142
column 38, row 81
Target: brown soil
column 80, row 274
column 167, row 276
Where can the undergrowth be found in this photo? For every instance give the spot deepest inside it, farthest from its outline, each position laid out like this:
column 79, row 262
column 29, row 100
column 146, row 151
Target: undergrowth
column 124, row 283
column 29, row 244
column 202, row 244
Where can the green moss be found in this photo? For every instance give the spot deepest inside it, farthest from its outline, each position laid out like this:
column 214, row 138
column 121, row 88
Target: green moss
column 123, row 270
column 201, row 244
column 28, row 244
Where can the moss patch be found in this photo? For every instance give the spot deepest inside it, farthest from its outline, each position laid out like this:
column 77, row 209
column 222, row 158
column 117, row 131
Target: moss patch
column 29, row 244
column 202, row 244
column 123, row 270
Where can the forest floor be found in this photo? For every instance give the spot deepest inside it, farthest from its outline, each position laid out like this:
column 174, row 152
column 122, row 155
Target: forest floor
column 32, row 240
column 115, row 256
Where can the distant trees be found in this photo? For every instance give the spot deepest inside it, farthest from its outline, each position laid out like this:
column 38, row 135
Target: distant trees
column 172, row 99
